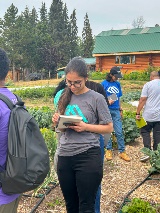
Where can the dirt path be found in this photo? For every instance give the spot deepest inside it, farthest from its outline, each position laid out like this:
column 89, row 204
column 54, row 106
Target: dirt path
column 119, row 178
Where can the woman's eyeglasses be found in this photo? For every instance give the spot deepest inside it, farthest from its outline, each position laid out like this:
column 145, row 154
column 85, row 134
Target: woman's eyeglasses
column 76, row 84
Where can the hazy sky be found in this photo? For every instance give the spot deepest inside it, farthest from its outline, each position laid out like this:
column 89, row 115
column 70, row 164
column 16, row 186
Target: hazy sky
column 103, row 14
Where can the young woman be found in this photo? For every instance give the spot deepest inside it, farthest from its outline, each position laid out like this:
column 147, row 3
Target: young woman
column 98, row 88
column 79, row 166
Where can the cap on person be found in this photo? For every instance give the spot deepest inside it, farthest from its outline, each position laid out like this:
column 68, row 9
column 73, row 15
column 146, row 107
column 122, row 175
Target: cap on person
column 116, row 72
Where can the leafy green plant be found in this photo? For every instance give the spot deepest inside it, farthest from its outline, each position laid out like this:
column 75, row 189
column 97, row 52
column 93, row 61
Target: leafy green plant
column 129, row 114
column 43, row 116
column 138, row 205
column 9, row 82
column 140, row 75
column 130, row 130
column 131, row 96
column 56, row 202
column 51, row 141
column 137, row 75
column 154, row 158
column 97, row 75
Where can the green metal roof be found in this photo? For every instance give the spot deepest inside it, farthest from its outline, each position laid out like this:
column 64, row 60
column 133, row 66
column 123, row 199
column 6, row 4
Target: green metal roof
column 128, row 40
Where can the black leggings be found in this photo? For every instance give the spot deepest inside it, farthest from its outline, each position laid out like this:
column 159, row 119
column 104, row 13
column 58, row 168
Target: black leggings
column 79, row 177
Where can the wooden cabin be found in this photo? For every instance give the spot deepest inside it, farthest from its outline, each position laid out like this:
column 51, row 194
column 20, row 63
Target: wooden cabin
column 91, row 63
column 16, row 76
column 130, row 49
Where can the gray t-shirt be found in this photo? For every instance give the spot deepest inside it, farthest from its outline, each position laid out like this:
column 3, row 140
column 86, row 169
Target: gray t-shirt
column 92, row 107
column 151, row 90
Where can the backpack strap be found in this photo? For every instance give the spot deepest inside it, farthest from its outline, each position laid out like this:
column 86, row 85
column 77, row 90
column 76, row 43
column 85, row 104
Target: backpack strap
column 18, row 98
column 7, row 101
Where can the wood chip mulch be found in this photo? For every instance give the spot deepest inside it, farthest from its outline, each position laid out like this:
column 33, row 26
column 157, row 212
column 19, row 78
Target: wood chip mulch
column 119, row 179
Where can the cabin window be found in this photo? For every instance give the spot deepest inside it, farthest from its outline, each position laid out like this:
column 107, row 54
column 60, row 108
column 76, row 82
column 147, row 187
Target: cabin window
column 125, row 59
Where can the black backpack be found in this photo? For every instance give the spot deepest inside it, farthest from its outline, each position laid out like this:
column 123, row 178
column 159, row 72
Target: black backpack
column 28, row 157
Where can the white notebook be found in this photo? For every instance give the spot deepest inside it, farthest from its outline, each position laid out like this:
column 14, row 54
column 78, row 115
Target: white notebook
column 67, row 120
column 113, row 97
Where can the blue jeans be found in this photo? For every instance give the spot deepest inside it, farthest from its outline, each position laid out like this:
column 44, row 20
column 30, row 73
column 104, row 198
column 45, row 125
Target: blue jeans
column 98, row 195
column 117, row 125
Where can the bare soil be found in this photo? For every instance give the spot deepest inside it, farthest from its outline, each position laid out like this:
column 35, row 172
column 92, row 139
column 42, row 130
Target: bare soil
column 119, row 178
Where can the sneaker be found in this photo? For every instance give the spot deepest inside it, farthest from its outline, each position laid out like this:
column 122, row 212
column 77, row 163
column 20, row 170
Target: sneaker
column 144, row 158
column 124, row 156
column 108, row 154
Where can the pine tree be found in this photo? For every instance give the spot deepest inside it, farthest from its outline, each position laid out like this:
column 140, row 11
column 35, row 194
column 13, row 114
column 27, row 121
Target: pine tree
column 56, row 29
column 9, row 34
column 87, row 38
column 65, row 43
column 73, row 35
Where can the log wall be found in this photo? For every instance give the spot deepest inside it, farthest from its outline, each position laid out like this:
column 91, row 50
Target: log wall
column 142, row 61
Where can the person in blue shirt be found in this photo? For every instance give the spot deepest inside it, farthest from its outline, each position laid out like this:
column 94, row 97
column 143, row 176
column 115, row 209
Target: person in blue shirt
column 114, row 92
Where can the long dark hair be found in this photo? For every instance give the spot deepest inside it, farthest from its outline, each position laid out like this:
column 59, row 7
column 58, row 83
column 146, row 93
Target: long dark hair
column 108, row 77
column 61, row 85
column 97, row 87
column 77, row 65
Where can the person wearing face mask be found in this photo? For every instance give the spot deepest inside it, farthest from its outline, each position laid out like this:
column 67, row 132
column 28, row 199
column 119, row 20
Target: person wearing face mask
column 114, row 92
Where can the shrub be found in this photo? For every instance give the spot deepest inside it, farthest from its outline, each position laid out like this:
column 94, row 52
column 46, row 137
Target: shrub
column 143, row 75
column 97, row 75
column 34, row 93
column 43, row 116
column 140, row 76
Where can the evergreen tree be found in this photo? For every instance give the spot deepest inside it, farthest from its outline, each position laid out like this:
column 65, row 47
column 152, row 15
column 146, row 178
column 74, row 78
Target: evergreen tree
column 65, row 46
column 9, row 34
column 87, row 38
column 74, row 51
column 56, row 28
column 44, row 39
column 27, row 27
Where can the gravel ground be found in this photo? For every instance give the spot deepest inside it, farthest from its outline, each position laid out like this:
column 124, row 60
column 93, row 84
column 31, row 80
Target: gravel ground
column 119, row 178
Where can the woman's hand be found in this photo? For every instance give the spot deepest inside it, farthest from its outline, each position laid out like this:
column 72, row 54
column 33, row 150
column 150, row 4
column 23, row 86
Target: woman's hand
column 55, row 119
column 78, row 127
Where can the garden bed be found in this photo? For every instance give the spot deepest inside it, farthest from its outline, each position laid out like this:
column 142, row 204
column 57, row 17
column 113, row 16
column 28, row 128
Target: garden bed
column 119, row 178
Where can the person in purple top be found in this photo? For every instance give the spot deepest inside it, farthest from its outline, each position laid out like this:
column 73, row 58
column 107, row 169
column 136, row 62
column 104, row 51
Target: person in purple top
column 8, row 203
